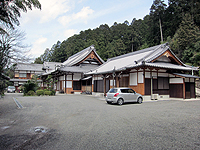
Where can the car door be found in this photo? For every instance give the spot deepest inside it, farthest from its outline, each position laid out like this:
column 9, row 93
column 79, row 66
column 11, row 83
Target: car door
column 132, row 95
column 125, row 95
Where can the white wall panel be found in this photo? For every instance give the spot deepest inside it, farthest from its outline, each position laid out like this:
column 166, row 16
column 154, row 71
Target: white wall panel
column 163, row 74
column 77, row 76
column 154, row 74
column 147, row 75
column 111, row 82
column 191, row 79
column 69, row 84
column 176, row 80
column 187, row 80
column 69, row 77
column 133, row 79
column 61, row 78
column 140, row 77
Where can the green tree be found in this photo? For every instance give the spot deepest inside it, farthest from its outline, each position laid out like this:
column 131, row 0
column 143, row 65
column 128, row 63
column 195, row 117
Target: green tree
column 10, row 11
column 186, row 37
column 157, row 11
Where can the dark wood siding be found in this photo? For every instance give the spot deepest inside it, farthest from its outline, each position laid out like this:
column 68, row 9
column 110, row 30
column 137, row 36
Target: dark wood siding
column 99, row 86
column 176, row 90
column 124, row 82
column 190, row 90
column 147, row 86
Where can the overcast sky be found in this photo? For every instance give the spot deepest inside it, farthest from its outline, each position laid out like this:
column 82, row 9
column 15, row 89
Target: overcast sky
column 60, row 19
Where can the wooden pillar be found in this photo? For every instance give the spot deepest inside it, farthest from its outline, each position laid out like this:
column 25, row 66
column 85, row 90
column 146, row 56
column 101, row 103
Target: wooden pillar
column 113, row 79
column 151, row 82
column 104, row 80
column 144, row 80
column 117, row 81
column 65, row 83
column 184, row 96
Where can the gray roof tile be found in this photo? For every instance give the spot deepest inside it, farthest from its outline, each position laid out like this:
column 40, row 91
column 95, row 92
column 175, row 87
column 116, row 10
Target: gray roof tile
column 139, row 58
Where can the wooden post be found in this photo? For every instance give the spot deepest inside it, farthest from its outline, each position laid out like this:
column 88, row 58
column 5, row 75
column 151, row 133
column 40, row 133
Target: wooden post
column 104, row 79
column 184, row 95
column 65, row 83
column 151, row 82
column 117, row 81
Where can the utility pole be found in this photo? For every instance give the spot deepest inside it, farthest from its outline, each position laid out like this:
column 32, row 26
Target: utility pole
column 132, row 43
column 161, row 30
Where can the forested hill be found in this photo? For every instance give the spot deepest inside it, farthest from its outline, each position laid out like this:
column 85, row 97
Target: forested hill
column 180, row 22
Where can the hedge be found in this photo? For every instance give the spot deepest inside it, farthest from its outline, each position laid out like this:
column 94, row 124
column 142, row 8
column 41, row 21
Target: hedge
column 39, row 92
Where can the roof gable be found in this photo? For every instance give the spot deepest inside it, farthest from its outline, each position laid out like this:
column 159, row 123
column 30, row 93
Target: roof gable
column 81, row 56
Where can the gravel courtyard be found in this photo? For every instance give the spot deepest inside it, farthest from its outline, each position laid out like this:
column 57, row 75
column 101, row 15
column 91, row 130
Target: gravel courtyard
column 88, row 122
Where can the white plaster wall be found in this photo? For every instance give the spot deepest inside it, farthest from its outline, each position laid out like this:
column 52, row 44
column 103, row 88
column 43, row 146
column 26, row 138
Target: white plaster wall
column 192, row 80
column 69, row 84
column 61, row 78
column 187, row 80
column 111, row 82
column 22, row 71
column 140, row 77
column 154, row 74
column 77, row 76
column 69, row 77
column 163, row 74
column 175, row 80
column 133, row 79
column 147, row 75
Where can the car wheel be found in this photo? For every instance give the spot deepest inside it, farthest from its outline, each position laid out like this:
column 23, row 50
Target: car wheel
column 108, row 102
column 140, row 100
column 120, row 101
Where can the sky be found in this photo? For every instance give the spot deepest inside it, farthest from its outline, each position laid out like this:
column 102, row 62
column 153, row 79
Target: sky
column 60, row 19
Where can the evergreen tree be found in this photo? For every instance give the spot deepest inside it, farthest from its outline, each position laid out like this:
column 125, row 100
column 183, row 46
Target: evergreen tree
column 185, row 38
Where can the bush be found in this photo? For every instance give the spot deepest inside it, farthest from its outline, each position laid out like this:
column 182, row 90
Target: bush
column 29, row 86
column 53, row 92
column 39, row 92
column 30, row 93
column 47, row 93
column 46, row 90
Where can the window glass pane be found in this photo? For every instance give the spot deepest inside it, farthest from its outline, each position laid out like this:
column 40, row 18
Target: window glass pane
column 76, row 85
column 16, row 74
column 113, row 91
column 22, row 75
column 131, row 91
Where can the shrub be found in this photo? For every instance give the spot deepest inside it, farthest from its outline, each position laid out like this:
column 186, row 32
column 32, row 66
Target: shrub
column 53, row 92
column 47, row 92
column 39, row 92
column 29, row 86
column 30, row 93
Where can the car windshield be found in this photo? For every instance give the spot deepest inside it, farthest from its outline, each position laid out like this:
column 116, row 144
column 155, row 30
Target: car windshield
column 11, row 87
column 113, row 91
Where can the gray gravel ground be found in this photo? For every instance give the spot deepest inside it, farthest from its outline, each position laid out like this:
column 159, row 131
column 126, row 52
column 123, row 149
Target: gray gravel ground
column 88, row 122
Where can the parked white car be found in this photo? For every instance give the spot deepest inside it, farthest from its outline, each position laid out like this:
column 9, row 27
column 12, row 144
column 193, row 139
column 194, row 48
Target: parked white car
column 11, row 89
column 123, row 95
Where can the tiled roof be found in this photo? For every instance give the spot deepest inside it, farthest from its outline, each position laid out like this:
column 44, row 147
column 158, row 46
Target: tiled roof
column 139, row 58
column 51, row 65
column 29, row 67
column 22, row 80
column 76, row 58
column 185, row 75
column 72, row 69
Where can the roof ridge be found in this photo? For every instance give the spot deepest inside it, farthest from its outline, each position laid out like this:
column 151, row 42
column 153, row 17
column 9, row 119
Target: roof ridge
column 132, row 53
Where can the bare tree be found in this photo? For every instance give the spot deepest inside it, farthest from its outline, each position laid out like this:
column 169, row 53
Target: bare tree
column 12, row 48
